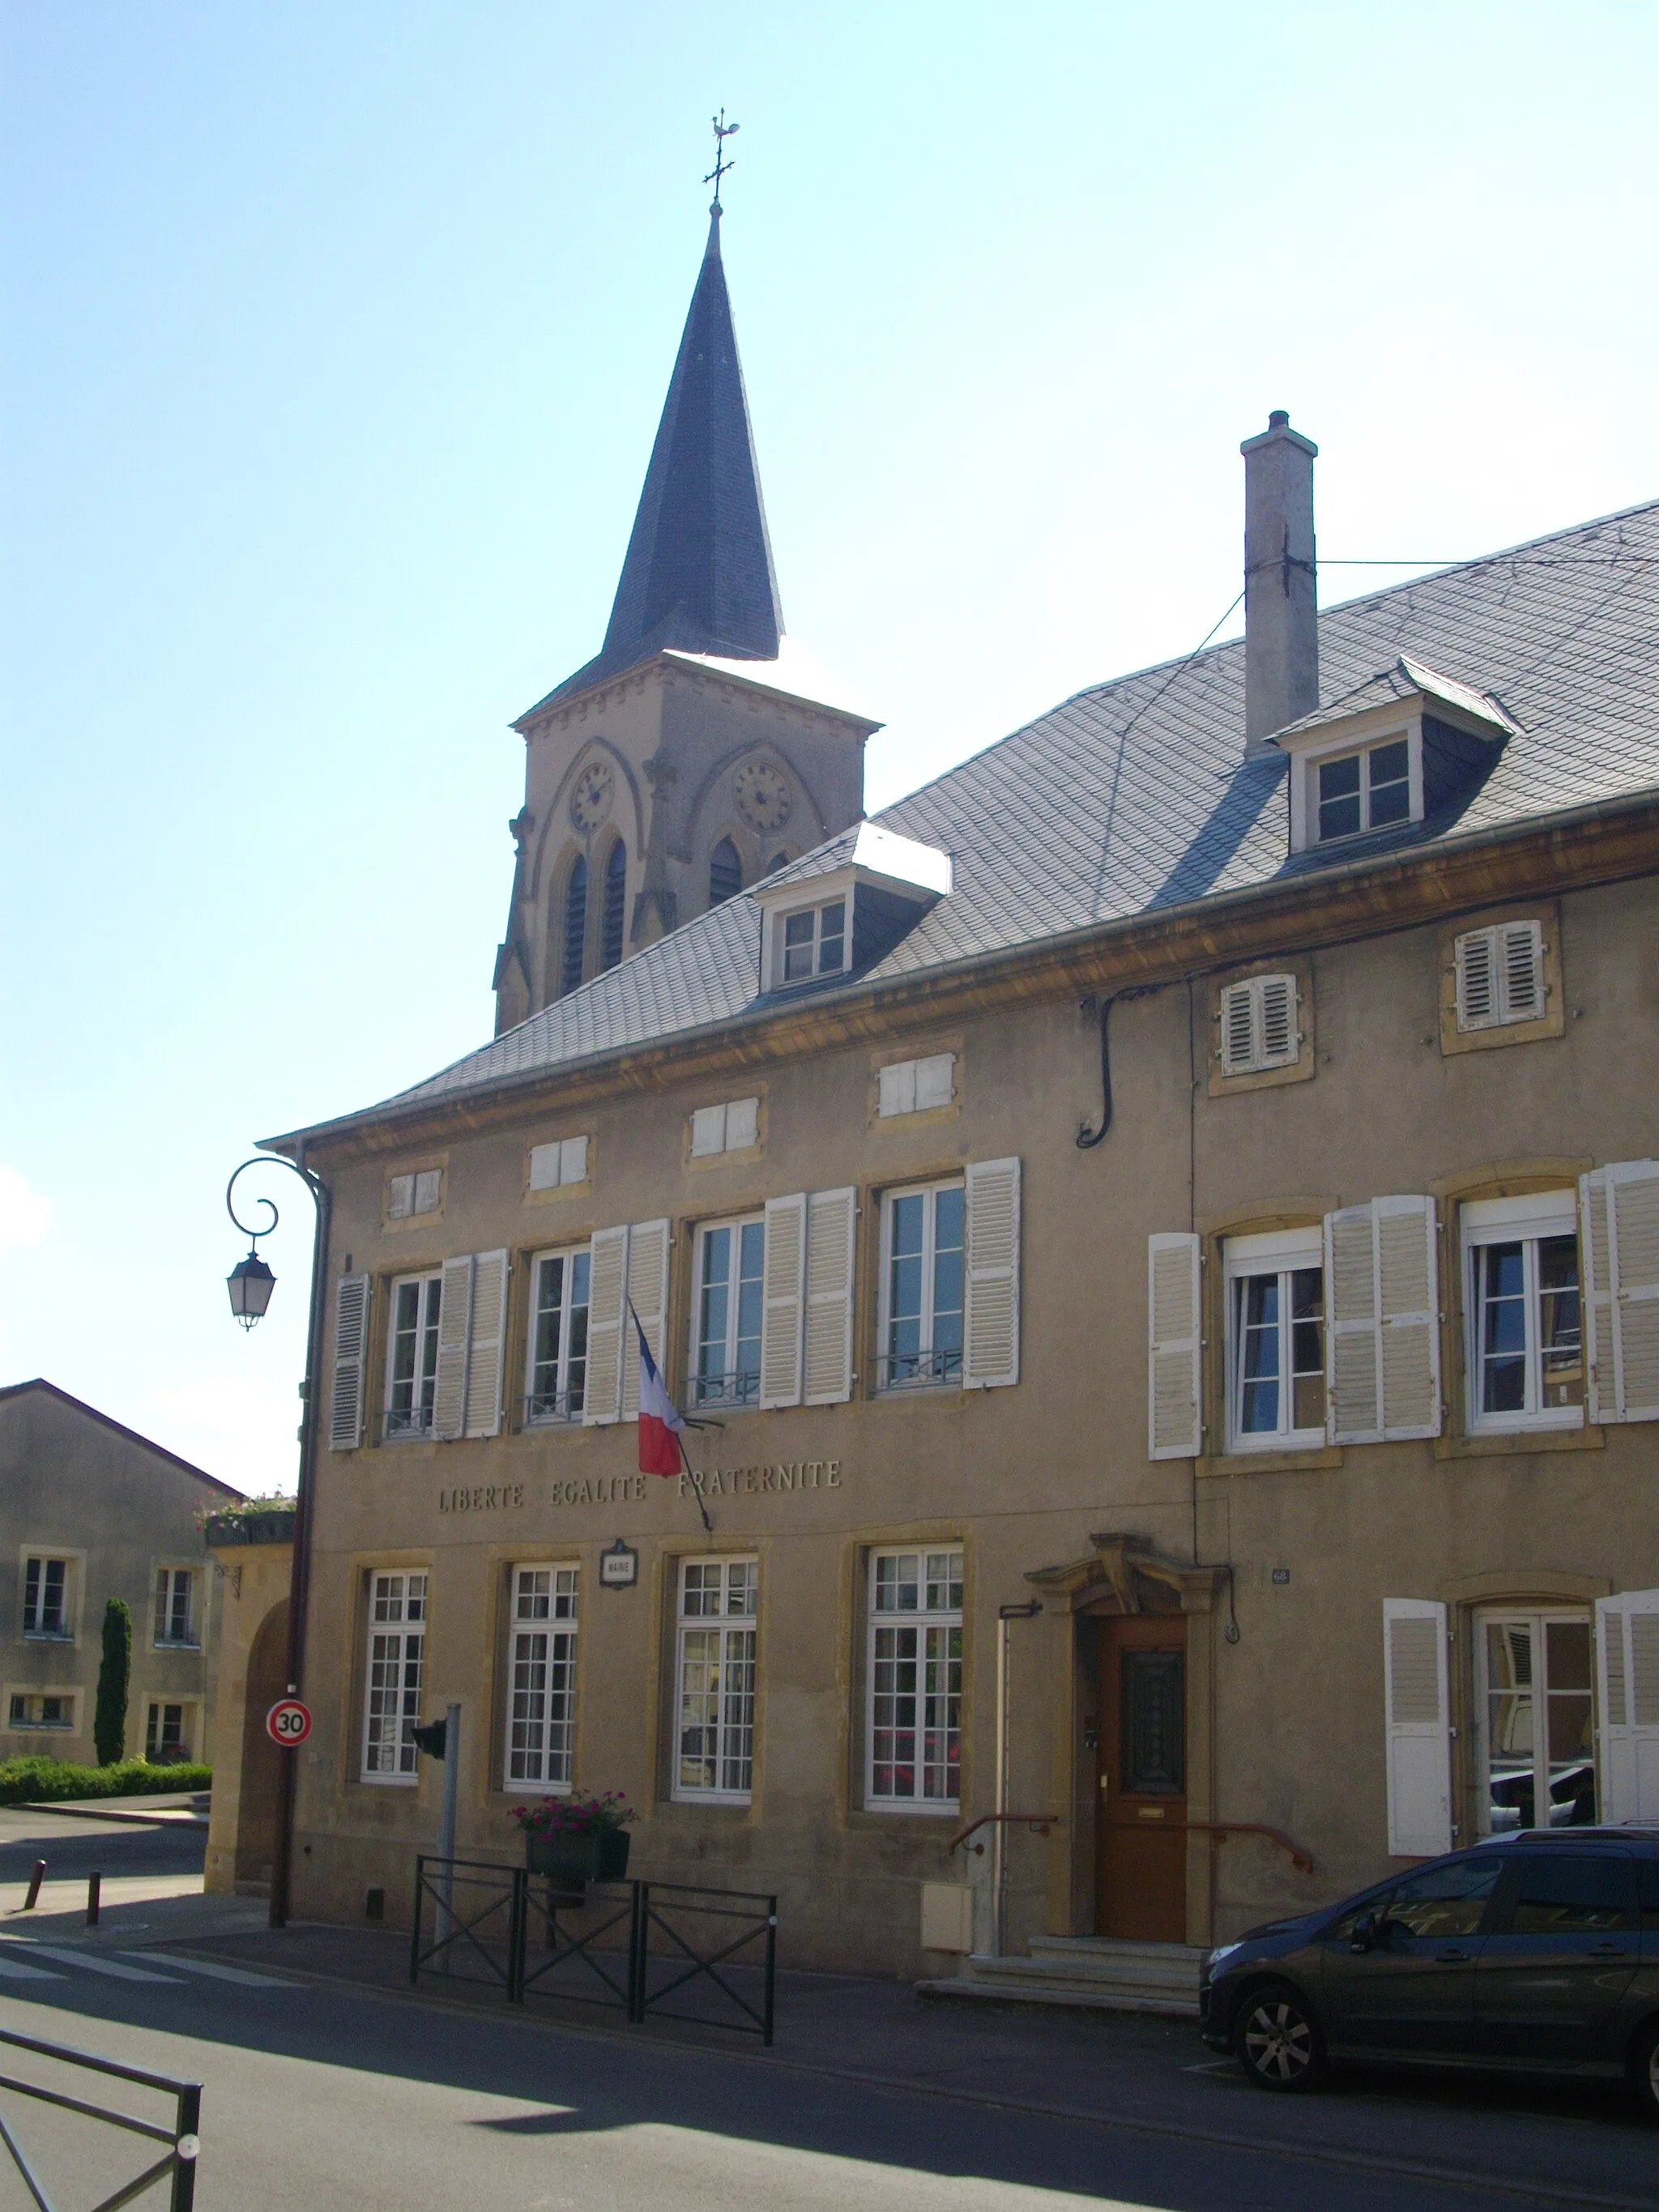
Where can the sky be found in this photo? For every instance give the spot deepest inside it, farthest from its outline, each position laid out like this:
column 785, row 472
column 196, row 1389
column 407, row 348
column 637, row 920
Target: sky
column 335, row 335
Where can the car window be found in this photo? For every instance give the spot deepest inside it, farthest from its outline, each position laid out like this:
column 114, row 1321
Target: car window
column 1563, row 1896
column 1648, row 1871
column 1448, row 1900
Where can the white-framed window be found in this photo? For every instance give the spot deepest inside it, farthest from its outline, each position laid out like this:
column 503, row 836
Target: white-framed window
column 921, row 1286
column 731, row 1126
column 169, row 1730
column 1365, row 789
column 542, row 1689
column 46, row 1598
column 175, row 1606
column 411, row 1355
column 393, row 1683
column 1523, row 1324
column 913, row 1702
column 409, row 1196
column 911, row 1086
column 1533, row 1708
column 727, row 1296
column 1500, row 975
column 715, row 1680
column 552, row 1167
column 40, row 1709
column 812, row 941
column 555, row 1388
column 1258, row 1024
column 1275, row 1290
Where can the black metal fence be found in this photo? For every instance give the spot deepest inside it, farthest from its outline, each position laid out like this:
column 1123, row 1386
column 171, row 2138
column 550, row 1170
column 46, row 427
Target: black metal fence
column 629, row 1945
column 177, row 2163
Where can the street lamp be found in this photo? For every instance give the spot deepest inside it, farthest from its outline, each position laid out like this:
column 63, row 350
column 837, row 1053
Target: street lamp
column 251, row 1284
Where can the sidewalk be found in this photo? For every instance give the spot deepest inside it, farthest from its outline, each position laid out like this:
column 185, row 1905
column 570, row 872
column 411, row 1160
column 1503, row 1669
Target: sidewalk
column 1561, row 2145
column 178, row 1808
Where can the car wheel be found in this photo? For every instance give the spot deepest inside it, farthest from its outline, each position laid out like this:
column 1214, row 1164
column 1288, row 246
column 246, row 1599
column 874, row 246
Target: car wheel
column 1279, row 2041
column 1644, row 2069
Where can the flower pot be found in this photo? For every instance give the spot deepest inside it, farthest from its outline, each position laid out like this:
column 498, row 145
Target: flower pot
column 601, row 1855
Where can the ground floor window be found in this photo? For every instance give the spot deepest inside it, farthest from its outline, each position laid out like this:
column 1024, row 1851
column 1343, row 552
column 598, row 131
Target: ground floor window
column 913, row 1721
column 166, row 1732
column 1536, row 1746
column 48, row 1709
column 541, row 1701
column 397, row 1655
column 714, row 1686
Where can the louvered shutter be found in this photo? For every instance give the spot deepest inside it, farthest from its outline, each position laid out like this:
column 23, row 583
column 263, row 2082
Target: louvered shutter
column 1280, row 1041
column 1619, row 1206
column 1627, row 1648
column 1418, row 1729
column 782, row 1290
column 1407, row 1273
column 345, row 1408
column 1353, row 1395
column 990, row 1320
column 454, row 1337
column 648, row 1293
column 1477, row 979
column 1237, row 1029
column 1175, row 1353
column 607, row 1288
column 1521, row 970
column 831, row 1227
column 488, row 1345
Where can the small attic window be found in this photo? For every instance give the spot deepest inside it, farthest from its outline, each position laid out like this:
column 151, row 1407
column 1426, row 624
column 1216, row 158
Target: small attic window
column 1500, row 975
column 811, row 942
column 1365, row 790
column 1259, row 1025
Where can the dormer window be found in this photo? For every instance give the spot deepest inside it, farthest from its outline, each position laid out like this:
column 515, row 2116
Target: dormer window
column 814, row 942
column 1365, row 790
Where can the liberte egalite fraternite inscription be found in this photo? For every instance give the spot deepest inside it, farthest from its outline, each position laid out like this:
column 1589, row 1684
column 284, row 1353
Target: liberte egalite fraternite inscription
column 788, row 1476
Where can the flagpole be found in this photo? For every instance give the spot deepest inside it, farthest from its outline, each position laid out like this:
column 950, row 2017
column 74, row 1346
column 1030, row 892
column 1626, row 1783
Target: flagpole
column 675, row 1425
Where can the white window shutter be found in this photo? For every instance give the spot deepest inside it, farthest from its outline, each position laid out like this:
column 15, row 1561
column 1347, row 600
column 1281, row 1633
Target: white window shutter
column 346, row 1410
column 488, row 1345
column 782, row 1290
column 898, row 1086
column 545, row 1167
column 707, row 1132
column 428, row 1190
column 454, row 1337
column 935, row 1080
column 1418, row 1728
column 573, row 1160
column 1627, row 1651
column 1237, row 1029
column 1475, row 954
column 400, row 1198
column 1353, row 1350
column 990, row 1321
column 1175, row 1351
column 1620, row 1207
column 742, row 1124
column 831, row 1241
column 1280, row 1041
column 1406, row 1275
column 648, row 1293
column 1521, row 970
column 607, row 1315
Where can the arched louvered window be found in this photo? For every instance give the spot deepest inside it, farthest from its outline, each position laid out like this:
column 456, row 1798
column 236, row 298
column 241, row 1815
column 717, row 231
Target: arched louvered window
column 778, row 861
column 575, row 925
column 615, row 905
column 724, row 872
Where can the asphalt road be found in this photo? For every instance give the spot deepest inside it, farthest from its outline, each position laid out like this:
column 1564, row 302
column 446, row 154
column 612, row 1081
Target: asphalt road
column 318, row 2095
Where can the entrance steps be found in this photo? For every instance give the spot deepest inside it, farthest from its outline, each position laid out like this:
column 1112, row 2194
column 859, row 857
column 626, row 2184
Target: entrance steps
column 1094, row 1972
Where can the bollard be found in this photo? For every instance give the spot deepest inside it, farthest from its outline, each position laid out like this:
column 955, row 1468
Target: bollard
column 35, row 1880
column 94, row 1883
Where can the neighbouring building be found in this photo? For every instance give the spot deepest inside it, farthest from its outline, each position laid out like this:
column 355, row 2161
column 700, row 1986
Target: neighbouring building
column 253, row 1556
column 93, row 1511
column 1160, row 1225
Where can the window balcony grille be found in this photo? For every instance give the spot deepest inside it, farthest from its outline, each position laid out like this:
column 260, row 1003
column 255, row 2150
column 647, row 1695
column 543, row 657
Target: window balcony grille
column 553, row 1408
column 704, row 1391
column 919, row 1370
column 400, row 1422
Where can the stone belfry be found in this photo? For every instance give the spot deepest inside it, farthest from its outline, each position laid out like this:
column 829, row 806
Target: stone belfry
column 691, row 756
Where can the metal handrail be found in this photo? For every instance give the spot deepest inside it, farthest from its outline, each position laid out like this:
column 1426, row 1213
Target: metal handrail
column 1300, row 1860
column 1039, row 1824
column 182, row 2139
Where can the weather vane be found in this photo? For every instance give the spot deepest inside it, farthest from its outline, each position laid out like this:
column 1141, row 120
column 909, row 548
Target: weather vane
column 722, row 130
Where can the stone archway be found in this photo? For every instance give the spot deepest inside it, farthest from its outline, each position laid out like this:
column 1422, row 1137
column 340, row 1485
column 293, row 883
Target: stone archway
column 261, row 1766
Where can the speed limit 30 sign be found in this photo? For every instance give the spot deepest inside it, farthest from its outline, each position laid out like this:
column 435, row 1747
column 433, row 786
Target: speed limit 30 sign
column 288, row 1722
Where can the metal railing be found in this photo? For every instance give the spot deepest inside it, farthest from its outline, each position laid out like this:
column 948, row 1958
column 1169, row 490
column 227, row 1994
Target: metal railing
column 741, row 1387
column 489, row 1930
column 554, row 1408
column 399, row 1421
column 911, row 1370
column 182, row 2140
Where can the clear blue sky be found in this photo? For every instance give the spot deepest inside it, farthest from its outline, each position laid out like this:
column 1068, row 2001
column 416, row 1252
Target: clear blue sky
column 336, row 336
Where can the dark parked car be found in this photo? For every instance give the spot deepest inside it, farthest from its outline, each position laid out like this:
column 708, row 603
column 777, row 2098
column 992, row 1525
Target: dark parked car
column 1535, row 1952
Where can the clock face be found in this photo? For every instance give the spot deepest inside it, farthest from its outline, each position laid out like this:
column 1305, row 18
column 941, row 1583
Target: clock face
column 763, row 795
column 590, row 802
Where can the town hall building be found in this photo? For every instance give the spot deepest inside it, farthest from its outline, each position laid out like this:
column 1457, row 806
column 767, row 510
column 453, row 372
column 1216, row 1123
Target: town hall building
column 1160, row 1229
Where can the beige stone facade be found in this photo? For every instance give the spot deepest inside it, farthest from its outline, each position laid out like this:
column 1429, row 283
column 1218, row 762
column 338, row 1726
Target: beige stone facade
column 252, row 1565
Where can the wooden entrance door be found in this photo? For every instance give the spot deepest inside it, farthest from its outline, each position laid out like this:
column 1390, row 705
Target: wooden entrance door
column 1140, row 1858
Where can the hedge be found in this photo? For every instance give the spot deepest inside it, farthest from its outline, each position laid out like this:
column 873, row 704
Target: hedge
column 48, row 1781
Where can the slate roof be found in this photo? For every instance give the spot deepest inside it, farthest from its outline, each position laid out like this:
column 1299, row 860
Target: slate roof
column 1406, row 679
column 1135, row 796
column 698, row 574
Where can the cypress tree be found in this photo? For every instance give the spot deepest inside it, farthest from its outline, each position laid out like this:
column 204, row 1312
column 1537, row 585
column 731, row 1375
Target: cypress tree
column 109, row 1719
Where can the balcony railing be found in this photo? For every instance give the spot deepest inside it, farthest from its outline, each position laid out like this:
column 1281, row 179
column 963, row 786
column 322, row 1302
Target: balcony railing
column 545, row 1408
column 399, row 1422
column 706, row 1393
column 918, row 1371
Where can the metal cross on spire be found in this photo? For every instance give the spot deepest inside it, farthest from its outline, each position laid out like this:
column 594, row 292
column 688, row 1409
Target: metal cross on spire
column 722, row 130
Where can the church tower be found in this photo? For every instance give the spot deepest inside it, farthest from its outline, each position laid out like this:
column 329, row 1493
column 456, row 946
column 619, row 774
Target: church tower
column 688, row 758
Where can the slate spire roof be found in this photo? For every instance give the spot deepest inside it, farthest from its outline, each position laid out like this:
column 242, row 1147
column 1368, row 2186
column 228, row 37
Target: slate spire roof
column 698, row 576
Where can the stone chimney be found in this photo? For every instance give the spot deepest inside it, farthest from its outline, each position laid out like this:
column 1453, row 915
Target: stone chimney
column 1281, row 596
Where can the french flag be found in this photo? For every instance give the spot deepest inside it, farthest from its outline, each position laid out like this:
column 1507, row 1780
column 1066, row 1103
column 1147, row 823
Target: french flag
column 660, row 1424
